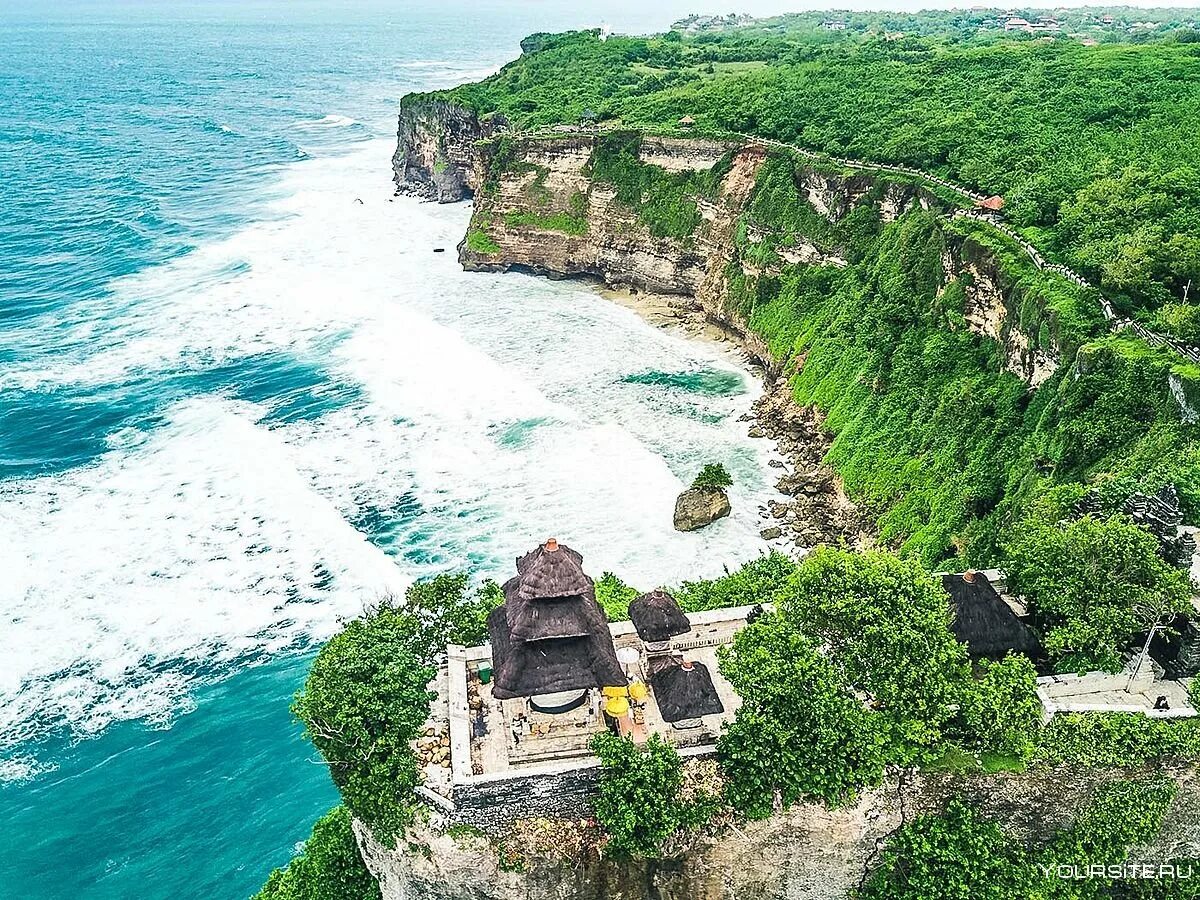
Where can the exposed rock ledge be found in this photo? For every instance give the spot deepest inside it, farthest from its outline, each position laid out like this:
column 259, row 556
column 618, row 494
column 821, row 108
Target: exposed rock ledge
column 808, row 852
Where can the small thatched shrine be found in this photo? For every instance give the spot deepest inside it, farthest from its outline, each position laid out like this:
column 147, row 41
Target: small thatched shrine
column 658, row 617
column 550, row 639
column 983, row 621
column 685, row 692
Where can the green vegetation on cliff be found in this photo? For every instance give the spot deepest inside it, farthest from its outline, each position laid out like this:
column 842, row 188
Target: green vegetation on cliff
column 328, row 868
column 1094, row 148
column 849, row 628
column 889, row 324
column 962, row 854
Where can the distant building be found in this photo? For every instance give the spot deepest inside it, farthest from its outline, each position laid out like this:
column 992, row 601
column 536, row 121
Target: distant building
column 994, row 203
column 834, row 25
column 1016, row 23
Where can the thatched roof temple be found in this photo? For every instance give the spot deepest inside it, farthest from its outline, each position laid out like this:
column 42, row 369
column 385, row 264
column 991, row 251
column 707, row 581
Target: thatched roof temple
column 685, row 690
column 550, row 635
column 550, row 665
column 552, row 570
column 983, row 621
column 658, row 617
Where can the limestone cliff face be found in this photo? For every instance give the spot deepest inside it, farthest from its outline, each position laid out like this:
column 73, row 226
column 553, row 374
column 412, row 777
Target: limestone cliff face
column 540, row 210
column 808, row 852
column 614, row 246
column 435, row 148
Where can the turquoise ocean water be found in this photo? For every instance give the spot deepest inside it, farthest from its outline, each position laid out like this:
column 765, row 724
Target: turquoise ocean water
column 240, row 398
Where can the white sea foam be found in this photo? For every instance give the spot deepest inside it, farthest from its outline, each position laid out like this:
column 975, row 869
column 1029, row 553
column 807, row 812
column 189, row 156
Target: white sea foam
column 329, row 121
column 490, row 411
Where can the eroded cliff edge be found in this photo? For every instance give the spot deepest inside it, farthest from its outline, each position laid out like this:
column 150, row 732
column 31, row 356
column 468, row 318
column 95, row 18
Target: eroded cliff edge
column 808, row 852
column 718, row 227
column 540, row 206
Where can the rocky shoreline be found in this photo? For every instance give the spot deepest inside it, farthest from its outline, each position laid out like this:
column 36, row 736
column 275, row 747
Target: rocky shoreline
column 818, row 510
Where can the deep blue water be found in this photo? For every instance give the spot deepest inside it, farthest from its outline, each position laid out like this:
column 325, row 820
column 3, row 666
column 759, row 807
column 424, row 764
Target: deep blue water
column 219, row 425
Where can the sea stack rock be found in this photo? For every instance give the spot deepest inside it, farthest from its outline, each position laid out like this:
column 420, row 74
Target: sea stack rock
column 700, row 506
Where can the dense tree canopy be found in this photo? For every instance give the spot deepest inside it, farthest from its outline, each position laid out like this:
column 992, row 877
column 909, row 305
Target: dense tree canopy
column 1092, row 584
column 363, row 703
column 1094, row 147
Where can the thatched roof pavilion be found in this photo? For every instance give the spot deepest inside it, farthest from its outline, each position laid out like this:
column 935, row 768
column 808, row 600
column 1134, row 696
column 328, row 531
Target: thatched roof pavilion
column 550, row 636
column 563, row 617
column 983, row 621
column 657, row 617
column 529, row 668
column 552, row 570
column 684, row 691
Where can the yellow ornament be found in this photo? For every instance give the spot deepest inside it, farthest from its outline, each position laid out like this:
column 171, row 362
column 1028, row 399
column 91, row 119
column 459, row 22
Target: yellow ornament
column 614, row 691
column 638, row 691
column 616, row 706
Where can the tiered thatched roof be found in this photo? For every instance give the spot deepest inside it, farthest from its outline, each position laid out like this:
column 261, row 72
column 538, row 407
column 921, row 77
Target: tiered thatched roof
column 552, row 570
column 685, row 692
column 657, row 617
column 550, row 635
column 564, row 617
column 983, row 621
column 526, row 668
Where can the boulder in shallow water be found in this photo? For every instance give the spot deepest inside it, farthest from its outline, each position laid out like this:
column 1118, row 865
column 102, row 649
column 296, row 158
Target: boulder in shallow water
column 697, row 507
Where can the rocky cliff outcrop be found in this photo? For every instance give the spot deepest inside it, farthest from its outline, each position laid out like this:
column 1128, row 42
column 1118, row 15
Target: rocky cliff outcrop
column 808, row 852
column 435, row 154
column 549, row 216
column 697, row 507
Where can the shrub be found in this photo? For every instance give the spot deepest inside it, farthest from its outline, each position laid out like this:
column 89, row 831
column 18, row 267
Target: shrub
column 1002, row 712
column 755, row 582
column 328, row 868
column 713, row 476
column 614, row 597
column 957, row 855
column 1127, row 740
column 639, row 803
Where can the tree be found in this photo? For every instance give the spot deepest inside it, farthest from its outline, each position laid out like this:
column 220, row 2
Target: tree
column 885, row 624
column 639, row 803
column 1002, row 712
column 1092, row 584
column 800, row 731
column 713, row 477
column 365, row 700
column 614, row 597
column 449, row 613
column 328, row 868
column 757, row 581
